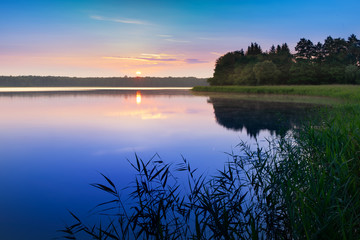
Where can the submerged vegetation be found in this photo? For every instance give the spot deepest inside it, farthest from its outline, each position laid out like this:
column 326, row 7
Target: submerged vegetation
column 303, row 186
column 336, row 61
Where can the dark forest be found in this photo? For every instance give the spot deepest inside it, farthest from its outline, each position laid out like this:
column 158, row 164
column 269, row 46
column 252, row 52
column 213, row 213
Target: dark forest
column 336, row 61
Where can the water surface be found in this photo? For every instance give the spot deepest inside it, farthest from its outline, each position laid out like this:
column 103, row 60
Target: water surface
column 54, row 144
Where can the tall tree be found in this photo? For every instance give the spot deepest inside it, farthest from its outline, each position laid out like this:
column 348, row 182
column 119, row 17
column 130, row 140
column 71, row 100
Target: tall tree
column 335, row 49
column 224, row 68
column 283, row 61
column 285, row 49
column 305, row 49
column 272, row 50
column 254, row 49
column 354, row 50
column 319, row 52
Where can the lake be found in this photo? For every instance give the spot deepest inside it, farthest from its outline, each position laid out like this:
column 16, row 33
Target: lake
column 55, row 143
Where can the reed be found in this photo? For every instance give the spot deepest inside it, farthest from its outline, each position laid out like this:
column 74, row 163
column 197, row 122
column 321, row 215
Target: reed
column 304, row 185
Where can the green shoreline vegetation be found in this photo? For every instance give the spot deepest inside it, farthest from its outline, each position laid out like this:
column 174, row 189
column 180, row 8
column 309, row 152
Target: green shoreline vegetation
column 344, row 92
column 336, row 61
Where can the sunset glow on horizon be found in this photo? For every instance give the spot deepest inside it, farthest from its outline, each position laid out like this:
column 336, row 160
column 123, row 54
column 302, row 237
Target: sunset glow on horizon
column 162, row 38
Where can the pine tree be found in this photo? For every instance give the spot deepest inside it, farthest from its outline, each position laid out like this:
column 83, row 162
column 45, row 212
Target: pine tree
column 272, row 50
column 305, row 49
column 254, row 49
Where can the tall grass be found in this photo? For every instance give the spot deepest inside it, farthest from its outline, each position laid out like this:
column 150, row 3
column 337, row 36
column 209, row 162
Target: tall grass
column 327, row 203
column 303, row 186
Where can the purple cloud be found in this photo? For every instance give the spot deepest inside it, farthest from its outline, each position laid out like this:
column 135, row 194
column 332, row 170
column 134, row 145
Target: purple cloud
column 160, row 59
column 146, row 59
column 194, row 61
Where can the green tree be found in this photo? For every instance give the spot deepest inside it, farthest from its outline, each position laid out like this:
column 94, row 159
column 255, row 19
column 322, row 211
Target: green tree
column 305, row 49
column 285, row 49
column 303, row 73
column 335, row 50
column 224, row 68
column 254, row 49
column 319, row 52
column 311, row 64
column 245, row 75
column 272, row 50
column 266, row 72
column 283, row 60
column 352, row 74
column 353, row 50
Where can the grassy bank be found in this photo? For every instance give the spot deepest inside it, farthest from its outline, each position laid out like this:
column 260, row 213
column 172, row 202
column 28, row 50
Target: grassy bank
column 348, row 92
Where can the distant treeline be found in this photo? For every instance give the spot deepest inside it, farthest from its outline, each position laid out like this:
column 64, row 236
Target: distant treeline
column 51, row 81
column 335, row 61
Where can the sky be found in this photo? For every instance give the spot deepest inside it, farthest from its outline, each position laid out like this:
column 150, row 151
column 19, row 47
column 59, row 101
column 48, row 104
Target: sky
column 183, row 38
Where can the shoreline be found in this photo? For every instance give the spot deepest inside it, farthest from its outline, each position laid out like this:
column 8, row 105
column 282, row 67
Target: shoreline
column 344, row 92
column 79, row 89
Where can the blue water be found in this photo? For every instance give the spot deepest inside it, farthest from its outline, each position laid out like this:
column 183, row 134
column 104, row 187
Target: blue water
column 53, row 145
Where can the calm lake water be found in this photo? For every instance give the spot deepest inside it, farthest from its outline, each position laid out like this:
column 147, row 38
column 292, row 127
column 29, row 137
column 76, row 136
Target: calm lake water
column 54, row 144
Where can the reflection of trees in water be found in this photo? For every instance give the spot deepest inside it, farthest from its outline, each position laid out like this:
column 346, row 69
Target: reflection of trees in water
column 277, row 117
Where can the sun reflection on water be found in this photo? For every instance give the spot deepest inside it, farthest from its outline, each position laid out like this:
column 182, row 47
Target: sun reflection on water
column 138, row 97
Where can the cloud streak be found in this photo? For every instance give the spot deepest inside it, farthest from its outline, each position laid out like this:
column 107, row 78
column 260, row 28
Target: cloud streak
column 118, row 20
column 217, row 53
column 156, row 58
column 143, row 59
column 194, row 61
column 176, row 40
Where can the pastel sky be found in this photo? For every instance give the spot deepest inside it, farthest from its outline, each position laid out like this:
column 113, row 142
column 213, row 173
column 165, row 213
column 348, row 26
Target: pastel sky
column 159, row 38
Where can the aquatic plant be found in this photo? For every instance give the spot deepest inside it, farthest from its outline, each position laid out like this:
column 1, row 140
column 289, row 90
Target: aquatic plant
column 303, row 186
